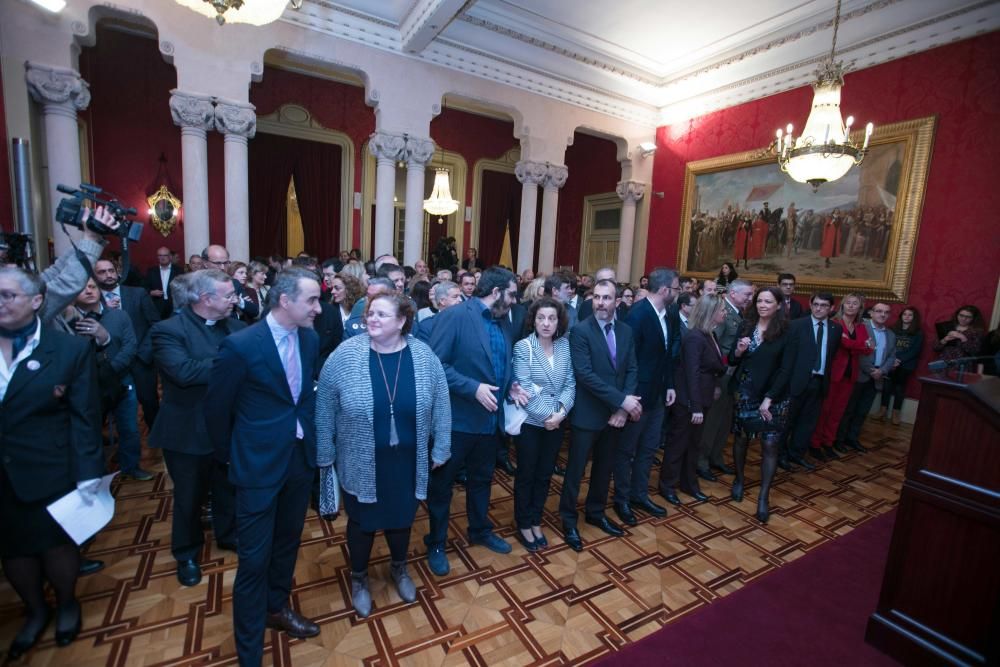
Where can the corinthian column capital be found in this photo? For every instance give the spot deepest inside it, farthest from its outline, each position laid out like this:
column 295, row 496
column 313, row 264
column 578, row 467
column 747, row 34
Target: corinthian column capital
column 57, row 86
column 555, row 176
column 236, row 118
column 530, row 173
column 630, row 191
column 192, row 111
column 418, row 151
column 387, row 146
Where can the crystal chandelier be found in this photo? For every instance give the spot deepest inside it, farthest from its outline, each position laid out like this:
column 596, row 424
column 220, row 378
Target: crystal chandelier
column 253, row 12
column 440, row 202
column 824, row 151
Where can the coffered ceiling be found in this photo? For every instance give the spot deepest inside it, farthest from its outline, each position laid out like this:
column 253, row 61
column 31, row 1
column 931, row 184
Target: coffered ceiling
column 652, row 61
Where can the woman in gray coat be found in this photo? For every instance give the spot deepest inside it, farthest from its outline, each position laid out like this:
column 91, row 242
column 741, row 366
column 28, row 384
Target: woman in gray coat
column 382, row 398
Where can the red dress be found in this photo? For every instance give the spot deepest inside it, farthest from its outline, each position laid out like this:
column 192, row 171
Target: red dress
column 758, row 238
column 844, row 371
column 740, row 246
column 831, row 238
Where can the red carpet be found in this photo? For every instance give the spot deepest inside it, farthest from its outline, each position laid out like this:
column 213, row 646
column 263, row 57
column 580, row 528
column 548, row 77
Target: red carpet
column 810, row 612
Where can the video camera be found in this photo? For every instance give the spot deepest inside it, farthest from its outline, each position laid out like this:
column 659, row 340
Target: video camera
column 70, row 212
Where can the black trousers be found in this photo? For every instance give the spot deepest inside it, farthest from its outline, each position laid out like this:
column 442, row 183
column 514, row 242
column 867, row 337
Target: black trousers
column 895, row 388
column 634, row 454
column 193, row 476
column 269, row 523
column 858, row 407
column 802, row 418
column 144, row 377
column 477, row 453
column 680, row 461
column 603, row 444
column 537, row 450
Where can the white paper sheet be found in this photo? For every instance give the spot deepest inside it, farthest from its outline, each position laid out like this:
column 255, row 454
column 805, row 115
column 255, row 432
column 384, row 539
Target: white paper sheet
column 80, row 520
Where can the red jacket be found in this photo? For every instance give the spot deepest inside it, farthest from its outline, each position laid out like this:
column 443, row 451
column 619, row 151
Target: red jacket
column 852, row 349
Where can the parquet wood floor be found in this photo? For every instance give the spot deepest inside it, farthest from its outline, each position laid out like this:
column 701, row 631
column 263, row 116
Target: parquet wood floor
column 553, row 608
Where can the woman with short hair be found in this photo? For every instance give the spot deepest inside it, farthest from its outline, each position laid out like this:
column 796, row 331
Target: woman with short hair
column 374, row 426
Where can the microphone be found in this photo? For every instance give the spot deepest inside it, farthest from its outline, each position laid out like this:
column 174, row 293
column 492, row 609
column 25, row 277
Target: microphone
column 962, row 361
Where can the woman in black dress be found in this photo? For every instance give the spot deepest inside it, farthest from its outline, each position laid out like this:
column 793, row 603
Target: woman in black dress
column 374, row 423
column 761, row 381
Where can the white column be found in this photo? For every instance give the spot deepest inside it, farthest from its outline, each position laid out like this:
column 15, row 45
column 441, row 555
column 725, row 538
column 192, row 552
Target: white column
column 387, row 149
column 630, row 193
column 530, row 175
column 62, row 93
column 238, row 122
column 418, row 153
column 195, row 115
column 555, row 178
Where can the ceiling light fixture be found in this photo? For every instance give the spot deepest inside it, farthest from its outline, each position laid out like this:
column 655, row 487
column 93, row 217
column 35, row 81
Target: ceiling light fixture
column 53, row 6
column 824, row 151
column 440, row 202
column 252, row 12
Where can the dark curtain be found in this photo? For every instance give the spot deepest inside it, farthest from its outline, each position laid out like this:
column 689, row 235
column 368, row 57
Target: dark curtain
column 499, row 209
column 317, row 184
column 273, row 161
column 270, row 165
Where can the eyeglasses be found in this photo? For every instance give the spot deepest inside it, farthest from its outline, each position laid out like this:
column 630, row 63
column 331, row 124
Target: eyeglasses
column 965, row 315
column 7, row 297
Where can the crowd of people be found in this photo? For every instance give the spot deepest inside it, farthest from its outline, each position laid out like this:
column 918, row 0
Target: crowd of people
column 370, row 388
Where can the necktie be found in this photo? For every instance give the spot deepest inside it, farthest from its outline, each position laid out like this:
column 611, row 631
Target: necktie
column 293, row 373
column 112, row 300
column 819, row 347
column 609, row 332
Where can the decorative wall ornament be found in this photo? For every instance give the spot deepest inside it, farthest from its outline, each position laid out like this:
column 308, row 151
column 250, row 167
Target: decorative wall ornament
column 532, row 173
column 555, row 176
column 192, row 111
column 418, row 151
column 740, row 208
column 253, row 12
column 387, row 146
column 164, row 210
column 56, row 85
column 630, row 191
column 236, row 119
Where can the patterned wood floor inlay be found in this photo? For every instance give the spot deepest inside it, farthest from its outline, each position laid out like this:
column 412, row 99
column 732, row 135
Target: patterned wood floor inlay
column 552, row 608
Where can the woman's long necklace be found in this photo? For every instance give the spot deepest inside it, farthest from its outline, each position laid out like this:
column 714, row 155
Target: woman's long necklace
column 393, row 435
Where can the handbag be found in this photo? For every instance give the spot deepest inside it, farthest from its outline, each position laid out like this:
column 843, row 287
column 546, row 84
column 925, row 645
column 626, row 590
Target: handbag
column 329, row 491
column 513, row 414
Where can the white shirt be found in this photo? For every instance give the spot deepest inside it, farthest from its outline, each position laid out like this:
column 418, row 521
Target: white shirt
column 7, row 372
column 684, row 320
column 281, row 335
column 165, row 280
column 826, row 338
column 661, row 315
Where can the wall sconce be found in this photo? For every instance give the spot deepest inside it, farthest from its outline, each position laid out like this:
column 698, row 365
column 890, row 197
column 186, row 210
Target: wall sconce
column 647, row 148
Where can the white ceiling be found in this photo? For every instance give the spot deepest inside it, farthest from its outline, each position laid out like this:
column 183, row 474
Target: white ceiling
column 653, row 61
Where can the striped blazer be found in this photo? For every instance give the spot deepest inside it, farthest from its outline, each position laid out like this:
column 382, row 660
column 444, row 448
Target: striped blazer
column 345, row 432
column 557, row 381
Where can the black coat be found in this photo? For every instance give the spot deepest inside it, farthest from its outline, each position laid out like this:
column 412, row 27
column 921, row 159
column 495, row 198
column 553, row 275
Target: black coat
column 330, row 327
column 656, row 365
column 802, row 352
column 601, row 387
column 768, row 366
column 50, row 420
column 700, row 365
column 185, row 349
column 153, row 281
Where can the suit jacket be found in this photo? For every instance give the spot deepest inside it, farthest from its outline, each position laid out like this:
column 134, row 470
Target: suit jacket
column 250, row 414
column 184, row 349
column 462, row 344
column 547, row 385
column 795, row 310
column 121, row 349
column 656, row 366
column 802, row 348
column 701, row 365
column 50, row 419
column 251, row 309
column 153, row 281
column 139, row 306
column 867, row 362
column 330, row 329
column 517, row 316
column 728, row 332
column 601, row 387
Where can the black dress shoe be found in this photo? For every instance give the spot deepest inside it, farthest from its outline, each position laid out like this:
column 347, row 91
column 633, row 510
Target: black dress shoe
column 830, row 454
column 698, row 496
column 572, row 537
column 90, row 566
column 817, row 454
column 293, row 624
column 188, row 572
column 624, row 513
column 706, row 475
column 529, row 545
column 784, row 464
column 723, row 468
column 66, row 637
column 671, row 498
column 647, row 506
column 607, row 525
column 839, row 447
column 559, row 471
column 542, row 542
column 801, row 462
column 857, row 446
column 22, row 645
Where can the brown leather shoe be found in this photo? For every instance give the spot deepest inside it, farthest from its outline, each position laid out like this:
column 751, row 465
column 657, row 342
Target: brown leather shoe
column 290, row 622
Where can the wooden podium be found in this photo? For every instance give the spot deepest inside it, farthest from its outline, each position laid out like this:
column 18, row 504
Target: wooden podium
column 940, row 598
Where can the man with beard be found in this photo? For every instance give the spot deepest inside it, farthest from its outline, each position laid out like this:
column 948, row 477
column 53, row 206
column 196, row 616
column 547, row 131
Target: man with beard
column 473, row 340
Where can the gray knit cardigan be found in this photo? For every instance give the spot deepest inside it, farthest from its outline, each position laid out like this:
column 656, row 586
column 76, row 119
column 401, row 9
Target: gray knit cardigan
column 345, row 432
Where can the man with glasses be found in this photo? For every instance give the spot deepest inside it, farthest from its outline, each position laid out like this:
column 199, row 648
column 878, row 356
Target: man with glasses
column 217, row 257
column 185, row 347
column 874, row 367
column 786, row 283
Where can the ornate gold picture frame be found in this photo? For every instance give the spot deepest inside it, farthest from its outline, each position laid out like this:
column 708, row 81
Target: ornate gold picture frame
column 164, row 210
column 855, row 234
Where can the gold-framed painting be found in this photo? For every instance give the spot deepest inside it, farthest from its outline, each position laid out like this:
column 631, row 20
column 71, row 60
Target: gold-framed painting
column 855, row 234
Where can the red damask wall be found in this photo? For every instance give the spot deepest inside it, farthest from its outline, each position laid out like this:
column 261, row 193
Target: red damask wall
column 958, row 249
column 593, row 169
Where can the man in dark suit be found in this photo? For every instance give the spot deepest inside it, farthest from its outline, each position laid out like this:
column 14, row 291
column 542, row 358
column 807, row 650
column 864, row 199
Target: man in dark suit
column 606, row 381
column 586, row 308
column 184, row 348
column 158, row 281
column 136, row 302
column 260, row 410
column 812, row 342
column 786, row 283
column 639, row 441
column 473, row 342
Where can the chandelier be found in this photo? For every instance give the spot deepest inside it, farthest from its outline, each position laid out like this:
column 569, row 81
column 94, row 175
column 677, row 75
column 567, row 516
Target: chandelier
column 440, row 202
column 253, row 12
column 824, row 151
